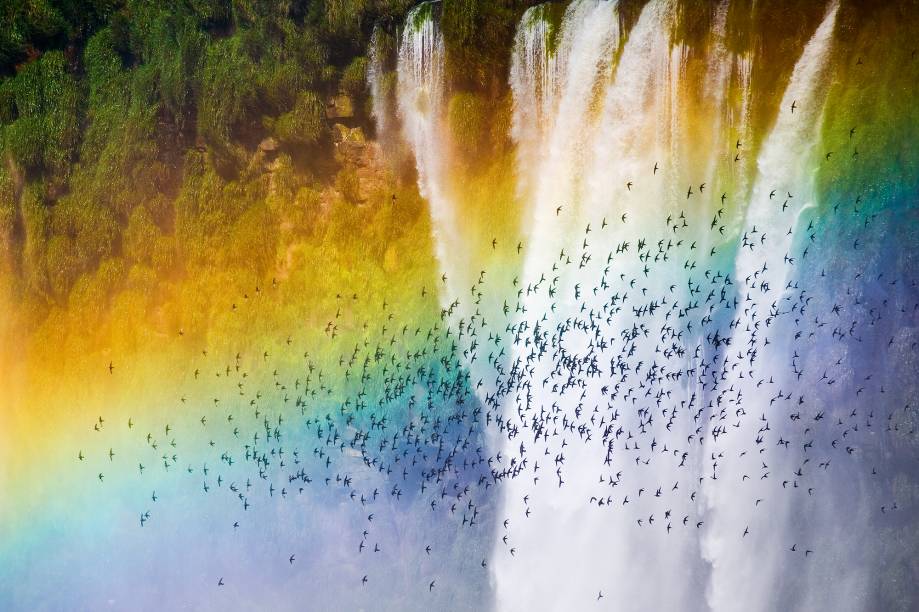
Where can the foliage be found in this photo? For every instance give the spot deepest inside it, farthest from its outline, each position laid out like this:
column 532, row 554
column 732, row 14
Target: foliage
column 478, row 34
column 130, row 133
column 353, row 77
column 31, row 24
column 228, row 91
column 41, row 112
column 344, row 16
column 305, row 123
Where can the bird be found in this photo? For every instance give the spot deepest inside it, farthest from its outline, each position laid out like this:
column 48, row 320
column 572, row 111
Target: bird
column 643, row 349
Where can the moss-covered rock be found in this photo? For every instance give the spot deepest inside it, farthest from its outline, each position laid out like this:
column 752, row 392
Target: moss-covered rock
column 340, row 106
column 353, row 78
column 305, row 123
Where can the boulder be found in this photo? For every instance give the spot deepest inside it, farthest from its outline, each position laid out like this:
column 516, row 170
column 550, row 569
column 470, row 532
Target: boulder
column 351, row 136
column 340, row 107
column 269, row 145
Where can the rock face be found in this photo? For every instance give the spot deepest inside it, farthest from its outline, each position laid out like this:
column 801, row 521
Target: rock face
column 340, row 107
column 355, row 152
column 265, row 156
column 269, row 145
column 348, row 140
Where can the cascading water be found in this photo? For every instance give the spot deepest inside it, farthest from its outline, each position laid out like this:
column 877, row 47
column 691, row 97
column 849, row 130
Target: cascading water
column 580, row 548
column 421, row 101
column 740, row 123
column 605, row 157
column 380, row 95
column 587, row 43
column 633, row 134
column 783, row 191
column 717, row 84
column 533, row 82
column 637, row 129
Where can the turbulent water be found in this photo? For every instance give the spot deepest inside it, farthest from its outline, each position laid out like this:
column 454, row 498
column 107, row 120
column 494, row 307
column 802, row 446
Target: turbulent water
column 784, row 172
column 421, row 105
column 551, row 149
column 600, row 123
column 654, row 348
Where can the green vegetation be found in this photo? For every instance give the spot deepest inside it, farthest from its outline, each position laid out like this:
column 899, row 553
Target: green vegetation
column 40, row 108
column 31, row 26
column 130, row 131
column 478, row 35
column 305, row 123
column 148, row 140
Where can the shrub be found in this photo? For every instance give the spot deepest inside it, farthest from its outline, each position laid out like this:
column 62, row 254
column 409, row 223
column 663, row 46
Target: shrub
column 353, row 78
column 228, row 90
column 343, row 17
column 305, row 124
column 44, row 102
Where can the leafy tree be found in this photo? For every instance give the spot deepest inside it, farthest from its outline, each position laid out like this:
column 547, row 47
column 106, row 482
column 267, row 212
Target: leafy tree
column 228, row 92
column 42, row 107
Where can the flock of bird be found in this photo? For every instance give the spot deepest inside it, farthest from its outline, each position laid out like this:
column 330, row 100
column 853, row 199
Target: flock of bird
column 671, row 365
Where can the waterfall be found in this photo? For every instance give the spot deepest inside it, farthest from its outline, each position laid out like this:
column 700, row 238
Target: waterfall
column 718, row 69
column 614, row 119
column 603, row 128
column 783, row 163
column 717, row 85
column 783, row 191
column 613, row 116
column 421, row 101
column 635, row 126
column 740, row 121
column 533, row 84
column 380, row 96
column 587, row 42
